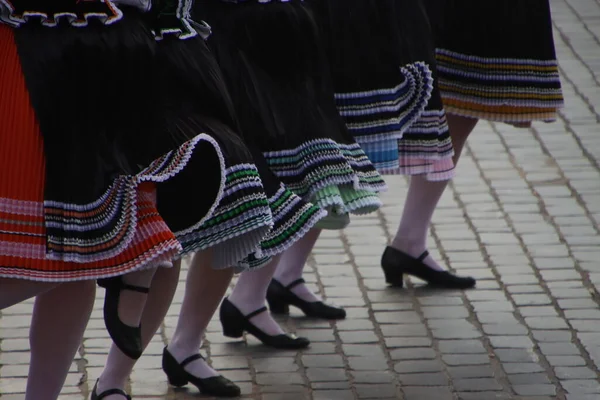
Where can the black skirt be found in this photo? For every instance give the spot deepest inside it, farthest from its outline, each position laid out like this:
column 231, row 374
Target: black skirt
column 275, row 69
column 117, row 108
column 382, row 62
column 497, row 59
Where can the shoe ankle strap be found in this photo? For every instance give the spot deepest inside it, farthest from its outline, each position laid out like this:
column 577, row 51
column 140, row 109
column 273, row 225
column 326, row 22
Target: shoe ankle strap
column 295, row 283
column 255, row 313
column 110, row 392
column 423, row 256
column 191, row 359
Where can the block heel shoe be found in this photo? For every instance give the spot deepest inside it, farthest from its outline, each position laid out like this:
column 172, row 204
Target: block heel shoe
column 280, row 298
column 235, row 323
column 217, row 386
column 127, row 338
column 396, row 264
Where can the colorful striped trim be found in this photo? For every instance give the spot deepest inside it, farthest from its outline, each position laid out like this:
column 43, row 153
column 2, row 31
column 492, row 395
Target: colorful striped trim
column 386, row 113
column 92, row 232
column 239, row 222
column 292, row 217
column 426, row 149
column 426, row 141
column 499, row 89
column 23, row 250
column 321, row 163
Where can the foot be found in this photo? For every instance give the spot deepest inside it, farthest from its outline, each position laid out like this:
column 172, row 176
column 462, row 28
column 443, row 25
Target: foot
column 199, row 368
column 263, row 321
column 301, row 290
column 105, row 386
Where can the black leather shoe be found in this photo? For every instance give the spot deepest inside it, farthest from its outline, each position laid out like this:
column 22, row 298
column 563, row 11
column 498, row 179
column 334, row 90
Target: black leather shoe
column 396, row 264
column 281, row 297
column 96, row 396
column 235, row 324
column 218, row 386
column 127, row 338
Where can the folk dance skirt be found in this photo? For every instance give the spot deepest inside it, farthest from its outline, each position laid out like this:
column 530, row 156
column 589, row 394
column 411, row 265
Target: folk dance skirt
column 276, row 72
column 104, row 172
column 496, row 59
column 381, row 56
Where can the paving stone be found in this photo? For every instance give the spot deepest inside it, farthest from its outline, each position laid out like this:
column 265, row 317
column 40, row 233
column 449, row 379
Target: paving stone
column 557, row 349
column 476, row 385
column 529, row 379
column 376, row 391
column 333, row 395
column 581, row 386
column 424, row 379
column 418, row 366
column 375, row 363
column 535, row 390
column 566, row 361
column 373, row 376
column 427, row 393
column 414, row 353
column 477, row 371
column 522, row 368
column 570, row 373
column 326, row 374
column 461, row 346
column 323, row 361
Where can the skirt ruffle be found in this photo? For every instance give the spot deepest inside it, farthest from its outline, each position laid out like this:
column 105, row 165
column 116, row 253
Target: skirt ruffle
column 23, row 220
column 97, row 149
column 497, row 60
column 272, row 61
column 382, row 60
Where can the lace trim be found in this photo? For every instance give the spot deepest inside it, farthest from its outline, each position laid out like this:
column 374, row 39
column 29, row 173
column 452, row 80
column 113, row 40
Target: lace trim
column 17, row 12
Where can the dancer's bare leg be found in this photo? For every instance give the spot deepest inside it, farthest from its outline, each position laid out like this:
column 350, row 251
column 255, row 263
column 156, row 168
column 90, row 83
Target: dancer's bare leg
column 15, row 291
column 118, row 365
column 291, row 265
column 132, row 304
column 250, row 294
column 423, row 197
column 60, row 317
column 205, row 288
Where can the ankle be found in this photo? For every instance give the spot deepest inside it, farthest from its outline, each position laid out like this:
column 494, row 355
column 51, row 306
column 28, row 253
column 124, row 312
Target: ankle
column 110, row 381
column 286, row 279
column 409, row 246
column 246, row 305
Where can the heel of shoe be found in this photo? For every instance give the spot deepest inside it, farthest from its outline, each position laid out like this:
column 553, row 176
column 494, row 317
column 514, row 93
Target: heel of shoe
column 176, row 381
column 278, row 307
column 394, row 279
column 394, row 275
column 175, row 373
column 230, row 331
column 232, row 321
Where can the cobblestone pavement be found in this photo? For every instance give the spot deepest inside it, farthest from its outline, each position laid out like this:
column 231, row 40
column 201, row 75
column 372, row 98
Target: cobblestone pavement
column 522, row 216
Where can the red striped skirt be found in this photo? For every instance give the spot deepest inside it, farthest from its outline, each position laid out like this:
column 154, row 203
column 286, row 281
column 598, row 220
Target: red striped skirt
column 23, row 246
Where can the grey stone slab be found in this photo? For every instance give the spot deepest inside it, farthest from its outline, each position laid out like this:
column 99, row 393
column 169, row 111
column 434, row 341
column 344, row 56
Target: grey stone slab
column 411, row 367
column 414, row 353
column 427, row 393
column 471, row 371
column 477, row 385
column 326, row 374
column 375, row 391
column 581, row 386
column 535, row 390
column 424, row 379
